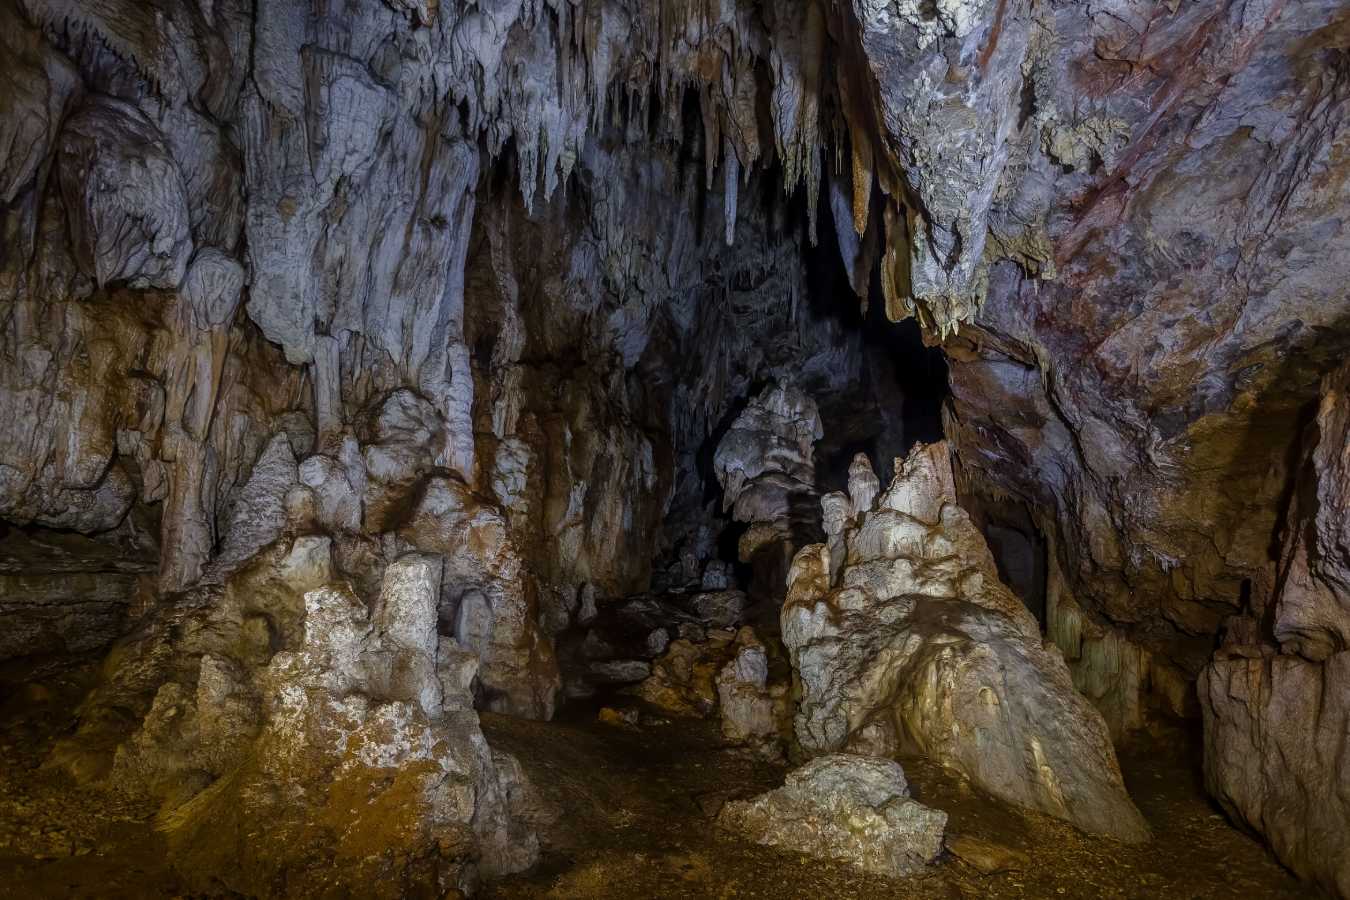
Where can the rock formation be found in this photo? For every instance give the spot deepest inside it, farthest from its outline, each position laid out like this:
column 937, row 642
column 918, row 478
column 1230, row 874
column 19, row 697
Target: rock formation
column 357, row 743
column 1277, row 702
column 847, row 808
column 912, row 642
column 727, row 675
column 766, row 466
column 1152, row 445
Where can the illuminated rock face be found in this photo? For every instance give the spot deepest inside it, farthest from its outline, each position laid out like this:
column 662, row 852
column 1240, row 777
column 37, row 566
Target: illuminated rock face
column 846, row 808
column 766, row 466
column 1277, row 704
column 358, row 744
column 913, row 643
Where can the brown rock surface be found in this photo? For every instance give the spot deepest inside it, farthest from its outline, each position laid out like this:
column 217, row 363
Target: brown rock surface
column 403, row 272
column 1276, row 719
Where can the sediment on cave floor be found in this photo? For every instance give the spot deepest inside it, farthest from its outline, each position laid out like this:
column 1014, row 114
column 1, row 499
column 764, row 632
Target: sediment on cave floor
column 627, row 448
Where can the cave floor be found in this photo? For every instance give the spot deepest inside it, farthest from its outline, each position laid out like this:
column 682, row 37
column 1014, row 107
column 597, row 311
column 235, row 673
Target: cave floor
column 634, row 811
column 637, row 807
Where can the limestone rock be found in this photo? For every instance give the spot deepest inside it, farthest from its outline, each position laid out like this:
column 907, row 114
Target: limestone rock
column 213, row 288
column 765, row 460
column 259, row 515
column 683, row 679
column 618, row 671
column 1276, row 719
column 358, row 734
column 921, row 646
column 1275, row 754
column 571, row 338
column 489, row 594
column 719, row 609
column 717, row 576
column 338, row 501
column 60, row 613
column 752, row 712
column 1161, row 499
column 863, row 486
column 397, row 450
column 125, row 196
column 986, row 856
column 727, row 675
column 848, row 809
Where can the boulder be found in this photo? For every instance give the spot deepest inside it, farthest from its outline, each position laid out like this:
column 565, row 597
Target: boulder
column 848, row 809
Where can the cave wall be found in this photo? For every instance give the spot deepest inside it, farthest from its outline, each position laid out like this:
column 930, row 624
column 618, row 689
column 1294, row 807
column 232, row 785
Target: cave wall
column 1276, row 697
column 225, row 222
column 1152, row 392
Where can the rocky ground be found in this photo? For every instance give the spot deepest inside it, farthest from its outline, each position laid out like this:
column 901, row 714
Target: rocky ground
column 57, row 840
column 636, row 807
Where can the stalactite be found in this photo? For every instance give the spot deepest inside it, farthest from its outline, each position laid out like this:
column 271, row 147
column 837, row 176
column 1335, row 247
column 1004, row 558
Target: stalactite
column 731, row 178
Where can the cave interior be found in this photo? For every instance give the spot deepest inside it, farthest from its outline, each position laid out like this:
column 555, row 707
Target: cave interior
column 657, row 448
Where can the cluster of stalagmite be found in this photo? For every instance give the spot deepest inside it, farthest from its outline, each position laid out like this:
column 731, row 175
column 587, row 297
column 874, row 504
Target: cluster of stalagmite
column 903, row 637
column 358, row 744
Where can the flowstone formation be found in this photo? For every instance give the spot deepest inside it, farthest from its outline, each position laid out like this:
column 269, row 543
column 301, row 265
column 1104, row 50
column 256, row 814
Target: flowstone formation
column 903, row 637
column 846, row 808
column 1276, row 698
column 766, row 467
column 356, row 743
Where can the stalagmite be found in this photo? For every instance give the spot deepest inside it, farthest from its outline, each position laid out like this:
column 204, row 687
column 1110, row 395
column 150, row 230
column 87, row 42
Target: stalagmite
column 921, row 647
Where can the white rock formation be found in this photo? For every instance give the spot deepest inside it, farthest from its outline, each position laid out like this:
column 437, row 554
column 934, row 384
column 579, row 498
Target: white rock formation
column 752, row 711
column 357, row 743
column 846, row 808
column 765, row 460
column 766, row 468
column 919, row 646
